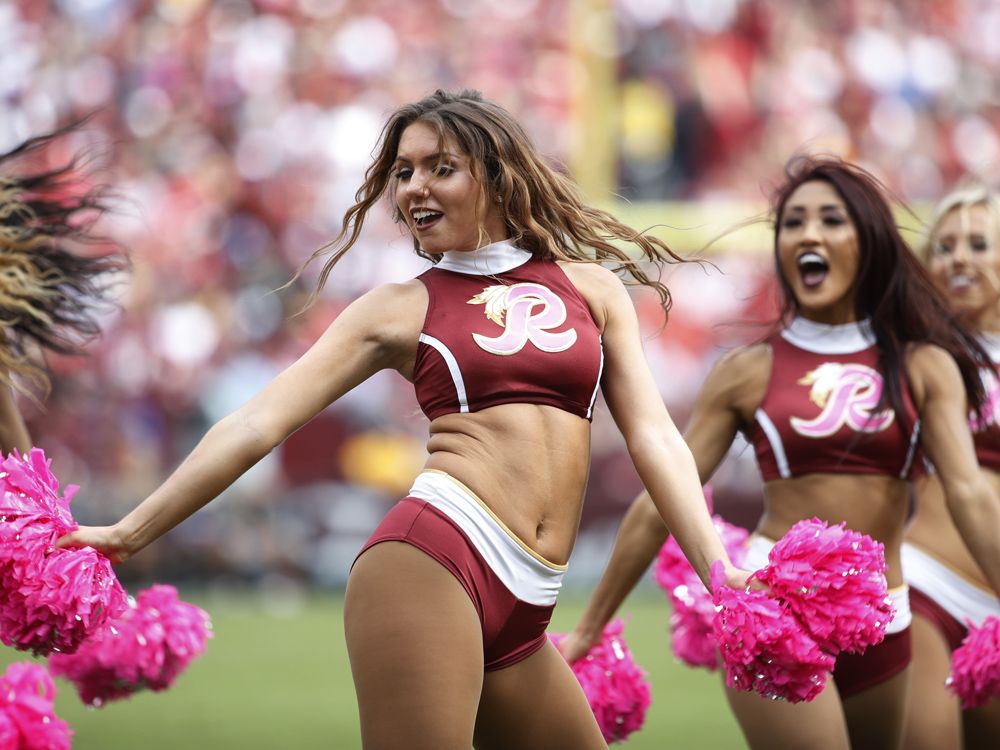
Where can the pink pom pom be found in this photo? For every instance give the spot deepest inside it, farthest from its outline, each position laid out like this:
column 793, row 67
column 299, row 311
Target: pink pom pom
column 975, row 665
column 146, row 647
column 691, row 622
column 50, row 599
column 615, row 686
column 27, row 718
column 833, row 579
column 763, row 647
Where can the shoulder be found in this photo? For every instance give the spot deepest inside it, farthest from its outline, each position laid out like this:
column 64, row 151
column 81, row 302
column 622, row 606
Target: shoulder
column 602, row 289
column 389, row 313
column 741, row 376
column 590, row 275
column 931, row 369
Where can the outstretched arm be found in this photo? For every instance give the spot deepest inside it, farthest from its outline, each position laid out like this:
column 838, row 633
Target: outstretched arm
column 715, row 419
column 377, row 331
column 945, row 436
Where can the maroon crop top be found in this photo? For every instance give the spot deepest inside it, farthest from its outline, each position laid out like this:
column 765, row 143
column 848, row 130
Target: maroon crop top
column 818, row 414
column 502, row 328
column 986, row 429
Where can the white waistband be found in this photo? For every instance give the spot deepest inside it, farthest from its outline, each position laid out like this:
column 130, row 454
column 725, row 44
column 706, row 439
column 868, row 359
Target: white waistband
column 528, row 576
column 759, row 546
column 955, row 595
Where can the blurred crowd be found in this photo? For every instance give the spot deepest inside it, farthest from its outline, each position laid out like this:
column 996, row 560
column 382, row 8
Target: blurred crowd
column 716, row 92
column 236, row 132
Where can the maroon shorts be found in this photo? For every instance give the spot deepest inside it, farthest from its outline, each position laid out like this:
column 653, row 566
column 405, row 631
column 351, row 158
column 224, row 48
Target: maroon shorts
column 951, row 629
column 512, row 629
column 855, row 673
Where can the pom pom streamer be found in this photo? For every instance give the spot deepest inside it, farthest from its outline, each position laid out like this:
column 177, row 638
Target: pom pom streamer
column 691, row 639
column 147, row 647
column 833, row 579
column 827, row 594
column 27, row 718
column 975, row 665
column 615, row 686
column 763, row 646
column 50, row 599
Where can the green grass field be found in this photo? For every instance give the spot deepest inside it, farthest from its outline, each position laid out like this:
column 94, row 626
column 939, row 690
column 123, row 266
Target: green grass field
column 276, row 679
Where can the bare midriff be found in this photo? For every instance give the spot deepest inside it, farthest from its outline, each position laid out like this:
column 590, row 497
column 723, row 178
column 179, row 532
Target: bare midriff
column 933, row 531
column 871, row 504
column 527, row 463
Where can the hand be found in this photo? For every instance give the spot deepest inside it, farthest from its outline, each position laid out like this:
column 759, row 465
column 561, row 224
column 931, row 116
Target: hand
column 737, row 578
column 108, row 540
column 576, row 645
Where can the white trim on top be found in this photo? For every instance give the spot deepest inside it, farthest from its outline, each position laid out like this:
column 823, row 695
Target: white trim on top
column 774, row 438
column 991, row 343
column 453, row 368
column 489, row 260
column 821, row 338
column 597, row 385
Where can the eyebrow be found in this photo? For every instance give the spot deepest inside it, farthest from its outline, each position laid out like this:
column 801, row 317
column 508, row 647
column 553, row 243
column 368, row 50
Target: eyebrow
column 430, row 157
column 826, row 207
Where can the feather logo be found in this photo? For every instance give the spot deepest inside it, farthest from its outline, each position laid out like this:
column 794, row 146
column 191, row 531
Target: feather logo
column 495, row 299
column 527, row 312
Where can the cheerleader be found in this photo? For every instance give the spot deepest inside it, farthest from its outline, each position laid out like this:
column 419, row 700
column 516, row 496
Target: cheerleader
column 948, row 589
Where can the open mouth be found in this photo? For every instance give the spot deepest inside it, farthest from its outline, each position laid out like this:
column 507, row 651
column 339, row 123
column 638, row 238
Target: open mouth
column 423, row 218
column 960, row 282
column 813, row 269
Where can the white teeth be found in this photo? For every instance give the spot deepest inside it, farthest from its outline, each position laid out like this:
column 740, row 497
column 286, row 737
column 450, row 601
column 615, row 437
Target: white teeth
column 807, row 258
column 420, row 214
column 960, row 280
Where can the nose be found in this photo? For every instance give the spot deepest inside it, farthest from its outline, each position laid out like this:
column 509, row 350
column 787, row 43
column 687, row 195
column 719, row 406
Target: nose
column 810, row 232
column 417, row 186
column 960, row 254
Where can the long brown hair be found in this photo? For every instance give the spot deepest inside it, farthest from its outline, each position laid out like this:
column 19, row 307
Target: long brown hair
column 542, row 208
column 892, row 288
column 48, row 288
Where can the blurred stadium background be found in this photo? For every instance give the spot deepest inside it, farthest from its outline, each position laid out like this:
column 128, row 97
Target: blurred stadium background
column 236, row 133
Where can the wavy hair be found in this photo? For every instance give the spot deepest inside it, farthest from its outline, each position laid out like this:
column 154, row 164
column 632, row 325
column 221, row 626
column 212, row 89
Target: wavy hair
column 49, row 290
column 892, row 288
column 542, row 209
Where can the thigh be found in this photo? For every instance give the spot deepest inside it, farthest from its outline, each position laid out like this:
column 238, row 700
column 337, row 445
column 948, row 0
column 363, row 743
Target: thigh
column 536, row 704
column 416, row 651
column 875, row 716
column 779, row 725
column 982, row 726
column 933, row 715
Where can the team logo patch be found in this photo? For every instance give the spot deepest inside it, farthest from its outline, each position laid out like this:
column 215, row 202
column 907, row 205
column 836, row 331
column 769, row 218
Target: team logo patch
column 847, row 394
column 527, row 312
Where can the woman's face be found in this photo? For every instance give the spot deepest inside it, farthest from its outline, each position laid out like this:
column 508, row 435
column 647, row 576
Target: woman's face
column 965, row 258
column 818, row 252
column 438, row 196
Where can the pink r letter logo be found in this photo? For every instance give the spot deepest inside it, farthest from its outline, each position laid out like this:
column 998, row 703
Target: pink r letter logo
column 847, row 394
column 531, row 311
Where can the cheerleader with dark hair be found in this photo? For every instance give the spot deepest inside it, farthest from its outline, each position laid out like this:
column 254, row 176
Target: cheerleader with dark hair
column 54, row 269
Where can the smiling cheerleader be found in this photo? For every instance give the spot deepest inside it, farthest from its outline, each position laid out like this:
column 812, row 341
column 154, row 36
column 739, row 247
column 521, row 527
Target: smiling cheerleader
column 948, row 588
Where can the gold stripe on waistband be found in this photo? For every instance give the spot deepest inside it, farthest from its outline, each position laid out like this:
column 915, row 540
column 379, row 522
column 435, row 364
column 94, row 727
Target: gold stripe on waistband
column 497, row 519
